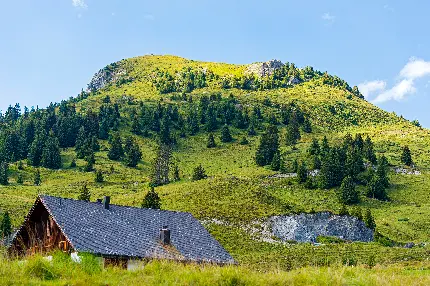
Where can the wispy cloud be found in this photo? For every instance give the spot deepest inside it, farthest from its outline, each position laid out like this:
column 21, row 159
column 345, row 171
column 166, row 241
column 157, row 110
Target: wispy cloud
column 328, row 17
column 79, row 4
column 405, row 86
column 368, row 87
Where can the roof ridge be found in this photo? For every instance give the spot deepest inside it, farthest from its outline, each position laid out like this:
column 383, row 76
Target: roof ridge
column 121, row 206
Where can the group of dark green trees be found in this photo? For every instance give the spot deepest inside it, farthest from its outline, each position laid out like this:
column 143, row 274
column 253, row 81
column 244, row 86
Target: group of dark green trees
column 348, row 164
column 38, row 134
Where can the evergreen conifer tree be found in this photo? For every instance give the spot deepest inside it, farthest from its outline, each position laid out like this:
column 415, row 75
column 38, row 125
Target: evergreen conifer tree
column 116, row 150
column 302, row 173
column 348, row 193
column 51, row 156
column 368, row 150
column 192, row 122
column 132, row 152
column 199, row 173
column 382, row 171
column 314, row 149
column 295, row 166
column 161, row 166
column 211, row 141
column 406, row 157
column 151, row 200
column 84, row 194
column 225, row 134
column 36, row 149
column 369, row 220
column 99, row 177
column 91, row 160
column 269, row 145
column 276, row 162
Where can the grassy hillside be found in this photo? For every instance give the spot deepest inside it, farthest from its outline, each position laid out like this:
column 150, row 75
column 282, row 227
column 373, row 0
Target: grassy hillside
column 237, row 191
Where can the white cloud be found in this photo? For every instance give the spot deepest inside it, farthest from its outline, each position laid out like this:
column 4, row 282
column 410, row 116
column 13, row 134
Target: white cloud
column 397, row 92
column 327, row 17
column 414, row 69
column 368, row 87
column 79, row 4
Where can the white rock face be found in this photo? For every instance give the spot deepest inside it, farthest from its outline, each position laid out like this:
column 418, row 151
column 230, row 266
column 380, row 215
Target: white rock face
column 264, row 69
column 307, row 227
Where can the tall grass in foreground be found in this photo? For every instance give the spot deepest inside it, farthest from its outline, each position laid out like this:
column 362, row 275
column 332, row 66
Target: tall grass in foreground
column 62, row 271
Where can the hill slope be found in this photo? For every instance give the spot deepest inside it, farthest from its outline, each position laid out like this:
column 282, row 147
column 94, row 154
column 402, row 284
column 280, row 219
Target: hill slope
column 238, row 191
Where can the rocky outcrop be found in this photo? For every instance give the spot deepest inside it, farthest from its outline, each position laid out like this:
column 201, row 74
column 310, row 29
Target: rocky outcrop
column 264, row 69
column 104, row 77
column 307, row 227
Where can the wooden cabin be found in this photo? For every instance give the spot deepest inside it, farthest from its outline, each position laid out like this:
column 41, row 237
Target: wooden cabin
column 120, row 235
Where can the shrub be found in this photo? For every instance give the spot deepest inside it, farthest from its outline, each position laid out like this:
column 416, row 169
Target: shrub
column 199, row 173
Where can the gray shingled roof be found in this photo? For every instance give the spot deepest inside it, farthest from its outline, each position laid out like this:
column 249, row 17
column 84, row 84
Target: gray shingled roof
column 133, row 232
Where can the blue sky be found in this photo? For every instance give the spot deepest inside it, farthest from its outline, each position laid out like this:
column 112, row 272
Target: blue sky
column 50, row 49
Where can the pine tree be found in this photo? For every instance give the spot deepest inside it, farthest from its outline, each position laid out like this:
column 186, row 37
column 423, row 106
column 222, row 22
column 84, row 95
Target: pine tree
column 302, row 173
column 325, row 148
column 368, row 151
column 37, row 179
column 4, row 173
column 369, row 220
column 84, row 194
column 358, row 142
column 116, row 150
column 199, row 173
column 151, row 200
column 51, row 157
column 376, row 188
column 315, row 163
column 99, row 177
column 269, row 145
column 161, row 166
column 90, row 159
column 293, row 133
column 276, row 162
column 348, row 193
column 382, row 171
column 132, row 152
column 211, row 141
column 5, row 226
column 225, row 134
column 193, row 123
column 211, row 121
column 36, row 149
column 314, row 149
column 406, row 157
column 164, row 135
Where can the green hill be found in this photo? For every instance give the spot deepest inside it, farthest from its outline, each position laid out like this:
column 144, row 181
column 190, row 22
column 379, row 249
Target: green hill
column 126, row 96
